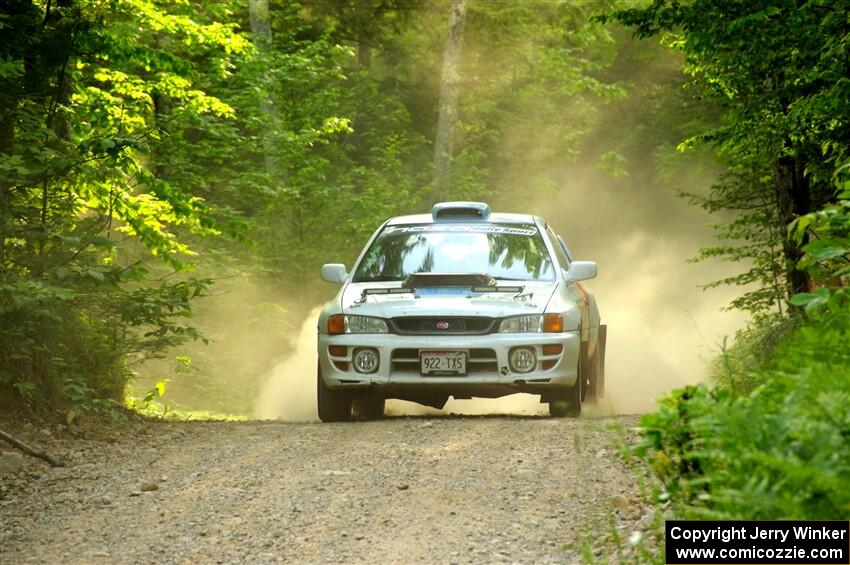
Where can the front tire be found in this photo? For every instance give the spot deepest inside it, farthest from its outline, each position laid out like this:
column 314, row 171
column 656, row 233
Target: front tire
column 334, row 405
column 570, row 404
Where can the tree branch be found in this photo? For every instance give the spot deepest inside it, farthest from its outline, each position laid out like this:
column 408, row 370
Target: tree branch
column 29, row 450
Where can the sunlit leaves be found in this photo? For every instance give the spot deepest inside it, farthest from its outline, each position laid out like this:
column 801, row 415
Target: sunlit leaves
column 154, row 16
column 88, row 213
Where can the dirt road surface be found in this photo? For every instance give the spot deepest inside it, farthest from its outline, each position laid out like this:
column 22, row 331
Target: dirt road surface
column 401, row 490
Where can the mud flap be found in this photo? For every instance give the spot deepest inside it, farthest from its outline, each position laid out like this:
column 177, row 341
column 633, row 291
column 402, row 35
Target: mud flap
column 600, row 364
column 586, row 371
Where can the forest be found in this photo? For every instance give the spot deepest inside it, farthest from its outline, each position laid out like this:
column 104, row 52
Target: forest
column 172, row 171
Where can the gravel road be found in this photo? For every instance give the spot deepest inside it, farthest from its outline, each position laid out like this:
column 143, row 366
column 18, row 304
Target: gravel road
column 401, row 490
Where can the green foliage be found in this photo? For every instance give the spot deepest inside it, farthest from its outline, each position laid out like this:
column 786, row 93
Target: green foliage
column 536, row 87
column 768, row 439
column 154, row 409
column 83, row 213
column 157, row 391
column 827, row 253
column 778, row 73
column 779, row 451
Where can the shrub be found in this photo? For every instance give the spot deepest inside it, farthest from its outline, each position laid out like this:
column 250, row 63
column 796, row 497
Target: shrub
column 780, row 451
column 71, row 342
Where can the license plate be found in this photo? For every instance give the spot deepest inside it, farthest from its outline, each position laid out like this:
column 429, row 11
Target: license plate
column 442, row 362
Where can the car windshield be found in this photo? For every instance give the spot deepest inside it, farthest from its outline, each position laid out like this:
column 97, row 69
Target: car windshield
column 503, row 251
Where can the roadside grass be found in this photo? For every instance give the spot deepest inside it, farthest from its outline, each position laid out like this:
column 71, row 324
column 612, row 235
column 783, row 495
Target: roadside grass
column 768, row 438
column 639, row 542
column 634, row 532
column 151, row 405
column 161, row 411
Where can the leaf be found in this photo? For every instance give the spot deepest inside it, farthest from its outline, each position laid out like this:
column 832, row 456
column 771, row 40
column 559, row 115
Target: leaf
column 96, row 274
column 801, row 298
column 63, row 272
column 812, row 301
column 825, row 249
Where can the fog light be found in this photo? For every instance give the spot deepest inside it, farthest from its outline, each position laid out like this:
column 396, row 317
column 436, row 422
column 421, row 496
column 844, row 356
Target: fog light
column 365, row 360
column 523, row 359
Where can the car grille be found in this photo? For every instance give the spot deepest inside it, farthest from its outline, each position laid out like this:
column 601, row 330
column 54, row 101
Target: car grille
column 477, row 361
column 436, row 325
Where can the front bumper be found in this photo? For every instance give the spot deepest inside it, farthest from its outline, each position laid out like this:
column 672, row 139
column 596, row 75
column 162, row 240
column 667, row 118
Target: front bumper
column 488, row 369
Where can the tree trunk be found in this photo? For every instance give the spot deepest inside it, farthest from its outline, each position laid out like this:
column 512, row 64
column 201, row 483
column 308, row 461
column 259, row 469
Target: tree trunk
column 64, row 39
column 792, row 201
column 7, row 139
column 162, row 105
column 449, row 89
column 262, row 34
column 364, row 49
column 260, row 26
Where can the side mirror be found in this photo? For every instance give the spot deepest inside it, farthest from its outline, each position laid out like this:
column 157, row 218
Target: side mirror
column 580, row 271
column 334, row 273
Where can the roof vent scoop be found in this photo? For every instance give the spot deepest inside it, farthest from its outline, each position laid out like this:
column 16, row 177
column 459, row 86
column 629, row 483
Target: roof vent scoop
column 460, row 211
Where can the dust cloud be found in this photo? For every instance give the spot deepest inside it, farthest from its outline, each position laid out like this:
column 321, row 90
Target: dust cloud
column 288, row 391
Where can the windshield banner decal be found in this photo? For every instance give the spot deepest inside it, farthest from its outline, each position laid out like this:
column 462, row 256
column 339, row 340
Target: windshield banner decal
column 463, row 228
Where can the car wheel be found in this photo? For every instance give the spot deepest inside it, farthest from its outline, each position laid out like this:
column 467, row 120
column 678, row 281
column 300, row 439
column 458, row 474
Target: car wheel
column 570, row 403
column 600, row 375
column 369, row 407
column 334, row 405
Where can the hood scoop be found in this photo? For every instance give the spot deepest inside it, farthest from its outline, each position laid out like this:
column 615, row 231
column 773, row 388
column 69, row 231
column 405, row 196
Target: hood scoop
column 468, row 285
column 461, row 280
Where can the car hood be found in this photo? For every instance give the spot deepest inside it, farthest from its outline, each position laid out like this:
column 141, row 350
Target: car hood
column 447, row 301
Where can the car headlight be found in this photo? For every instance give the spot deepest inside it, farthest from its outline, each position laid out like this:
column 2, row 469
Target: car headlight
column 522, row 324
column 342, row 324
column 550, row 323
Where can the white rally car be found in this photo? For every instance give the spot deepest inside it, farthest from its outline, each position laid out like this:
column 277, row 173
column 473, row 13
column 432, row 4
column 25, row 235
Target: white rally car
column 460, row 303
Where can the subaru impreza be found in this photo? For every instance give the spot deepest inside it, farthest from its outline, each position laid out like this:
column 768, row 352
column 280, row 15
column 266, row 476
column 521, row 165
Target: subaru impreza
column 460, row 303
